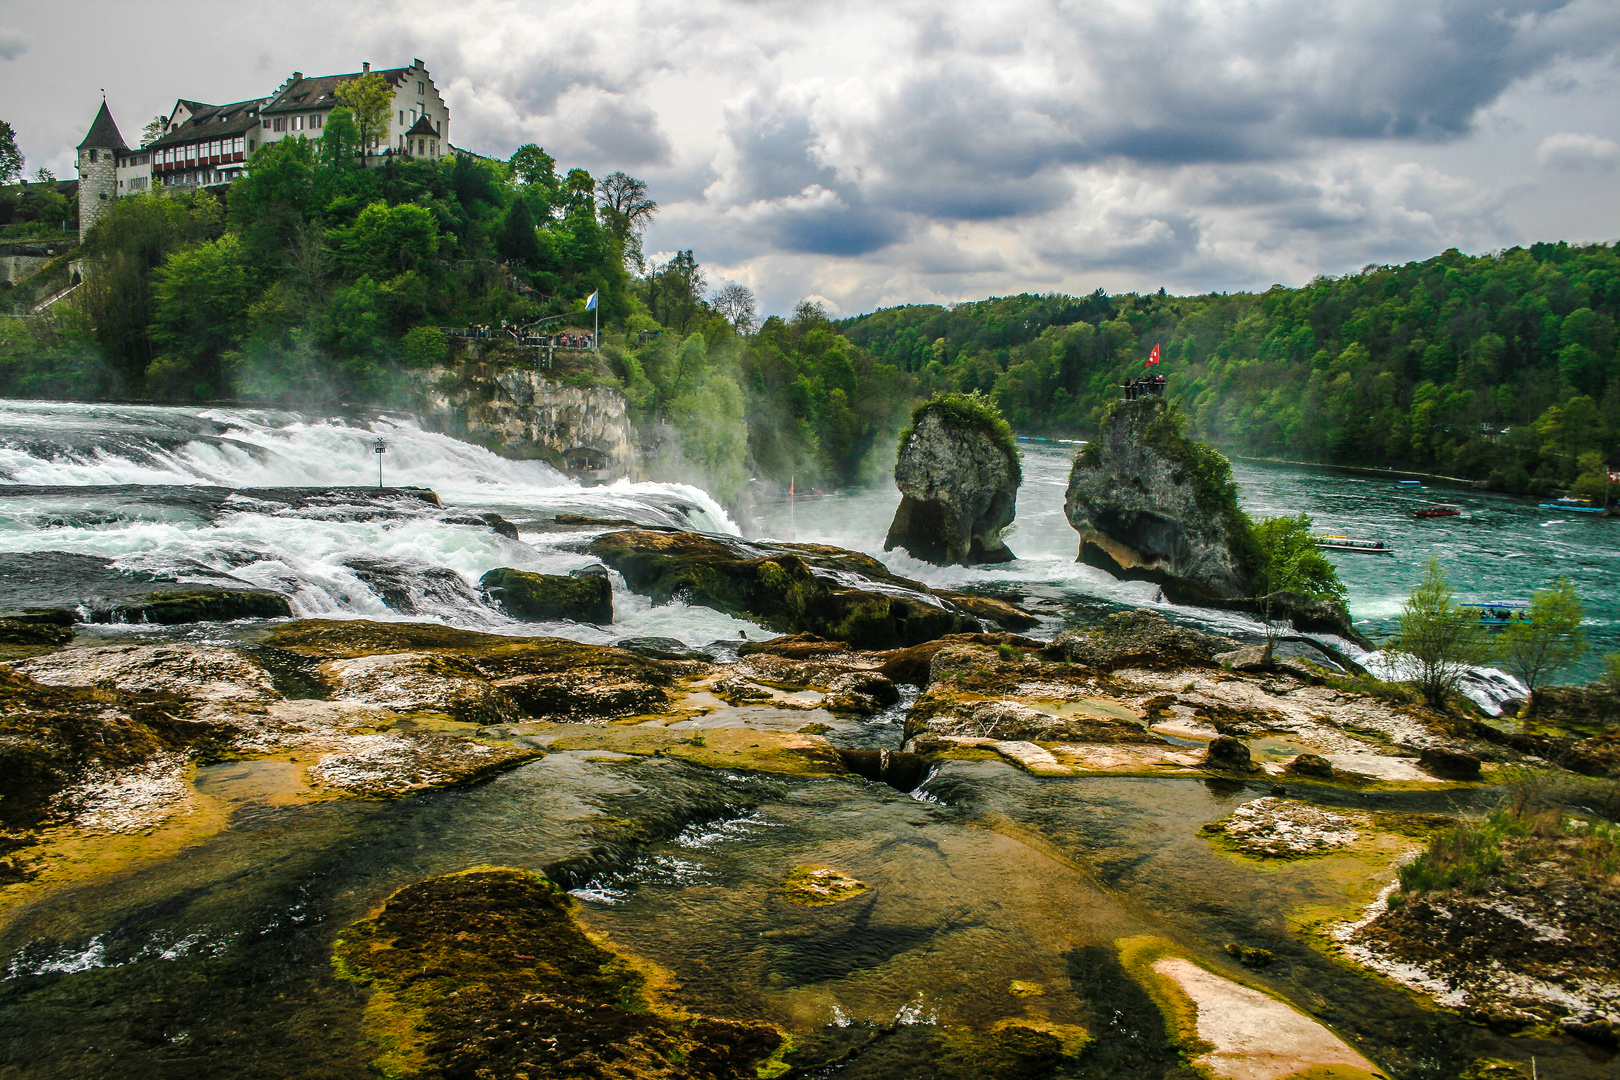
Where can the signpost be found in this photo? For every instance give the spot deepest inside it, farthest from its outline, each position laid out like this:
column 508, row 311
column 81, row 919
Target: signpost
column 380, row 449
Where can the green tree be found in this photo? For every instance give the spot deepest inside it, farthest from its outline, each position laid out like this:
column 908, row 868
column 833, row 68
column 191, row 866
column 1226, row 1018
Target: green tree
column 517, row 243
column 153, row 131
column 1551, row 640
column 11, row 158
column 535, row 168
column 1292, row 562
column 203, row 295
column 1436, row 643
column 387, row 240
column 371, row 100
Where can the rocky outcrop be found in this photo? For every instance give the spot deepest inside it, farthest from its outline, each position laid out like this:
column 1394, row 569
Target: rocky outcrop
column 526, row 414
column 1151, row 505
column 959, row 488
column 549, row 597
column 781, row 588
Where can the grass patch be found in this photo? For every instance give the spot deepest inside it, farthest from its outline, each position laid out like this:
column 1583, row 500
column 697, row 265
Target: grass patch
column 1471, row 856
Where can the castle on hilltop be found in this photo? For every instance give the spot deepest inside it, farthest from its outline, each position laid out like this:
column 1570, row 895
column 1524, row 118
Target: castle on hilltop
column 203, row 145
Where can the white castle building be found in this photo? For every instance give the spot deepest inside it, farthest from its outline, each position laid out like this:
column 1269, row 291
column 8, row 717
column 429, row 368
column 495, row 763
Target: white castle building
column 203, row 145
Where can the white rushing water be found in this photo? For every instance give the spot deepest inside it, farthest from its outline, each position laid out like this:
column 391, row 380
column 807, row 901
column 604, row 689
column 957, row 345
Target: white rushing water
column 110, row 481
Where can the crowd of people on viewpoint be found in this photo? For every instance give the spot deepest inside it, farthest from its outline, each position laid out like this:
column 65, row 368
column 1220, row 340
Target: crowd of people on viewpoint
column 485, row 331
column 1146, row 386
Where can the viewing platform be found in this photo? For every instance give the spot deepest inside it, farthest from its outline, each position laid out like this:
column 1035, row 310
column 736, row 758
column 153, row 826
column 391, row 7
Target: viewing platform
column 1144, row 387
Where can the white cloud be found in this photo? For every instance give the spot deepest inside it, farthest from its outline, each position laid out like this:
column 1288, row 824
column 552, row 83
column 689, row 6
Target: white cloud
column 1569, row 151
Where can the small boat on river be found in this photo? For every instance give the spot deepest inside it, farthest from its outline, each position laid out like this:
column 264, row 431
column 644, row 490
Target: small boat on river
column 1408, row 483
column 1573, row 506
column 1437, row 510
column 1332, row 542
column 1496, row 614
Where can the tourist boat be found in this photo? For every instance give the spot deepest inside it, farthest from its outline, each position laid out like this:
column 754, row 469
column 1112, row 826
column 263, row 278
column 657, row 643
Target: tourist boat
column 1574, row 506
column 1408, row 483
column 1331, row 542
column 1499, row 613
column 1438, row 510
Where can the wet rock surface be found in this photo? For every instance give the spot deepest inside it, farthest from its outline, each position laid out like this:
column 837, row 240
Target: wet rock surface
column 778, row 588
column 1274, row 828
column 959, row 488
column 550, row 597
column 486, row 973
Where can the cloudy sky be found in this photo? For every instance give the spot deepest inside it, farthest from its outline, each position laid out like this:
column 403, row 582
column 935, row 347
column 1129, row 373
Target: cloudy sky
column 872, row 153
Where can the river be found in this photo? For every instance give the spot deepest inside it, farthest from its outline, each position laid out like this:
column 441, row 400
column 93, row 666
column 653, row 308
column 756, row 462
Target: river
column 216, row 962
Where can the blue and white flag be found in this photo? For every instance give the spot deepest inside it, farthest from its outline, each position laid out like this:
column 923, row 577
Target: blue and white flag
column 590, row 304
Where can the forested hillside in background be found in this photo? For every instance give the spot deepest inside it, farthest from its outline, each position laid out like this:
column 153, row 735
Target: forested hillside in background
column 1499, row 367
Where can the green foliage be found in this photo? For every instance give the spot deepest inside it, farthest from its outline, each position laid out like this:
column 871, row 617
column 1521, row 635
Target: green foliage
column 424, row 346
column 201, row 302
column 11, row 158
column 1291, row 561
column 1550, row 641
column 974, row 412
column 371, row 99
column 1437, row 641
column 1611, row 670
column 1464, row 857
column 1469, row 856
column 387, row 240
column 1500, row 367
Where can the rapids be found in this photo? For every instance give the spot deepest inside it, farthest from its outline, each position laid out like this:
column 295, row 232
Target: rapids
column 216, row 961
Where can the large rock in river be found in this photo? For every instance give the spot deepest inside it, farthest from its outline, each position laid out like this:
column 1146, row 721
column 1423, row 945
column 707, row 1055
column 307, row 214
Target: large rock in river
column 959, row 480
column 533, row 597
column 1152, row 505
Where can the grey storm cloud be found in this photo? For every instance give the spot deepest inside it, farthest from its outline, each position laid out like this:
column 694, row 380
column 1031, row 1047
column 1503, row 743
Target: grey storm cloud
column 930, row 150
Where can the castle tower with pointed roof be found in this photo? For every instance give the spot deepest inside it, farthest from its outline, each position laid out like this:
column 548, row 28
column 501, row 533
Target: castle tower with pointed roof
column 98, row 168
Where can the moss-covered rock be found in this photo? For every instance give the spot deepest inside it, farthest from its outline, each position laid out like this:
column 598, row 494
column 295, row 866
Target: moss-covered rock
column 777, row 590
column 36, row 626
column 533, row 597
column 193, row 605
column 1142, row 639
column 814, row 886
column 486, row 973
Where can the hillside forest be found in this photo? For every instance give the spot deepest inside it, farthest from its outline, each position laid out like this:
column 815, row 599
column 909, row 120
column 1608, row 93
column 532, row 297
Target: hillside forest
column 320, row 280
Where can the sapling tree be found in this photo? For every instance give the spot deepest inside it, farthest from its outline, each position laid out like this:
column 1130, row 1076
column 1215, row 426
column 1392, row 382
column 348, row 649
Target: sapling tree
column 1550, row 640
column 1436, row 641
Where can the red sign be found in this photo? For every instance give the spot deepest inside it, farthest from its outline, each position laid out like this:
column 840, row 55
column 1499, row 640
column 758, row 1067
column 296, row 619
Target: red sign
column 1153, row 357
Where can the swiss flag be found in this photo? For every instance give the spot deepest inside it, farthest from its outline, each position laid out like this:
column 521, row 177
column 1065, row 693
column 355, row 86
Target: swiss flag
column 1153, row 357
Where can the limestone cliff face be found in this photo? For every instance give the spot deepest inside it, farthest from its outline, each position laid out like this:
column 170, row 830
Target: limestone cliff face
column 1138, row 513
column 522, row 413
column 959, row 488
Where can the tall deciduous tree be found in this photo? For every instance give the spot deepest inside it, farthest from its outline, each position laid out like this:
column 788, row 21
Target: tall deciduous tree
column 736, row 303
column 1436, row 642
column 1551, row 639
column 153, row 131
column 11, row 158
column 371, row 100
column 517, row 243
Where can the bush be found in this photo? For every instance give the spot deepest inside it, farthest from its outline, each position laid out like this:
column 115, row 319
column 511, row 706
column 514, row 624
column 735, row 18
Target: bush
column 1462, row 857
column 424, row 346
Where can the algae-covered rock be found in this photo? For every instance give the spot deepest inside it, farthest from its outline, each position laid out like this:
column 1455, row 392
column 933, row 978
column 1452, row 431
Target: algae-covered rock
column 36, row 626
column 1449, row 764
column 1312, row 765
column 817, row 885
column 192, row 605
column 1228, row 755
column 486, row 973
column 1142, row 639
column 420, row 682
column 545, row 677
column 203, row 672
column 780, row 590
column 533, row 597
column 958, row 476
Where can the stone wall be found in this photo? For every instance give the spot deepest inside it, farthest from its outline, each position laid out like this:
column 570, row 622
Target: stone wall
column 526, row 414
